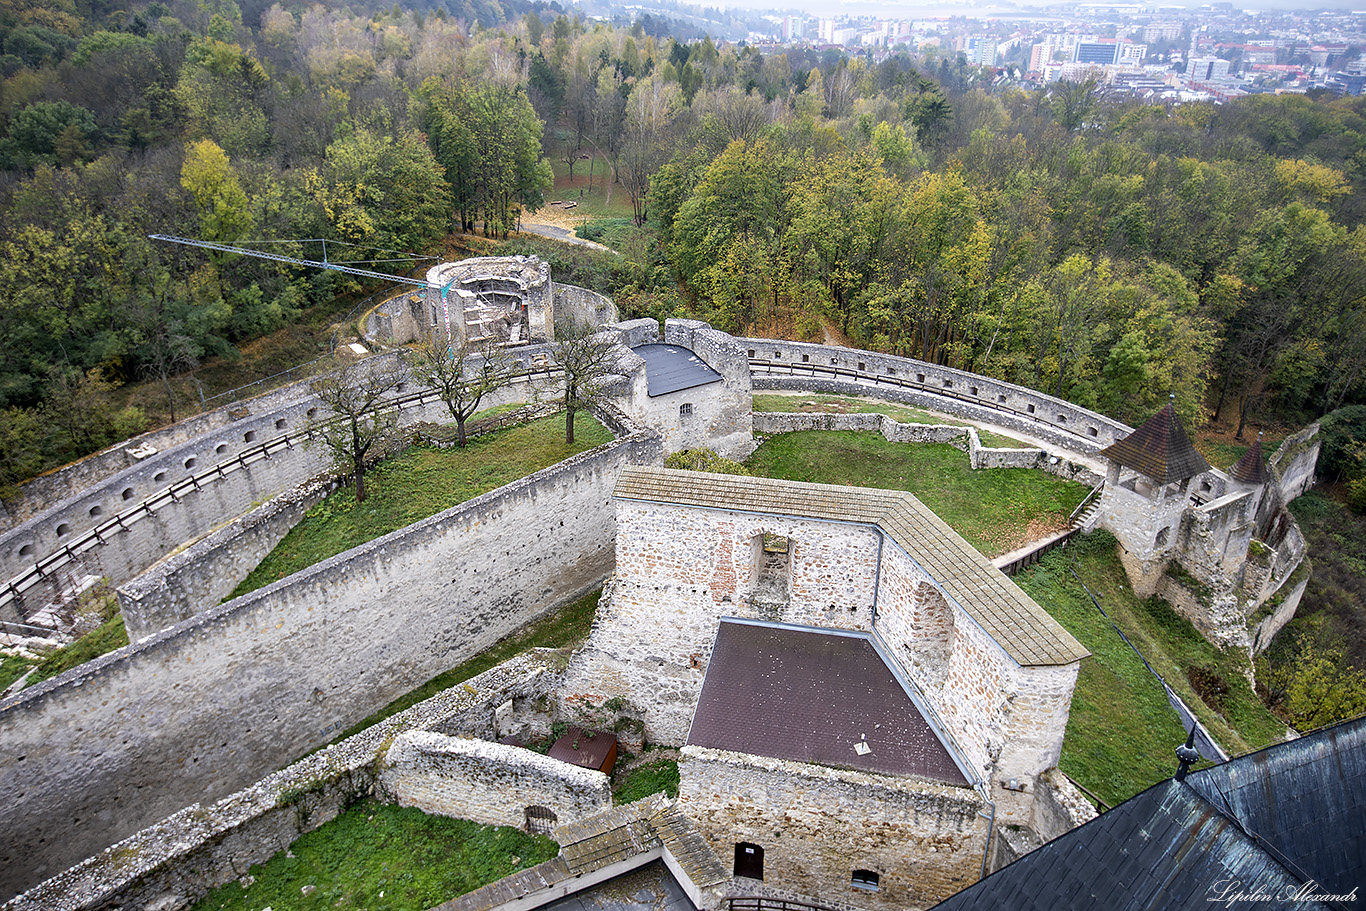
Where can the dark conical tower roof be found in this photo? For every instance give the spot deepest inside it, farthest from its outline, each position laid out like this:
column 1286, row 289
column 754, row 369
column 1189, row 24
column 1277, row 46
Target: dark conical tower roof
column 1159, row 449
column 1251, row 468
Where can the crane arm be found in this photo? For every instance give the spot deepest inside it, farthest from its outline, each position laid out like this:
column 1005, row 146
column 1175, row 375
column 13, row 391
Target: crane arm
column 261, row 254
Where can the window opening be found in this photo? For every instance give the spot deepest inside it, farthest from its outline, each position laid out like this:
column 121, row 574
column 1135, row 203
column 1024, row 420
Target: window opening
column 865, row 879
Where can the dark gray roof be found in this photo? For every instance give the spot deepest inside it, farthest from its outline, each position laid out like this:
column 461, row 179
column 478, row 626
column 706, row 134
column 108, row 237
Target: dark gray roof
column 1159, row 449
column 1251, row 468
column 812, row 696
column 1272, row 821
column 671, row 368
column 1305, row 800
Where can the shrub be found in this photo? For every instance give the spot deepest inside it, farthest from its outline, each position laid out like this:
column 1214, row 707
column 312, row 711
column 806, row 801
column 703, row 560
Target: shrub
column 705, row 460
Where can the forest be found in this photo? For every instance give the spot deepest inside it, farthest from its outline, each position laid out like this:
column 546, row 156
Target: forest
column 1106, row 251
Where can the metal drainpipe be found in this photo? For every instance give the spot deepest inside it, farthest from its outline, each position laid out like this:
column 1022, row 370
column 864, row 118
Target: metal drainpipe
column 991, row 825
column 877, row 577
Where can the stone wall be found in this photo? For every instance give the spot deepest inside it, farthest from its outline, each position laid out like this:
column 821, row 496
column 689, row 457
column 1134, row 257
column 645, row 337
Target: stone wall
column 1294, row 461
column 1214, row 537
column 121, row 526
column 1146, row 526
column 1059, row 806
column 679, row 570
column 208, row 705
column 787, row 422
column 965, row 438
column 1267, row 628
column 817, row 825
column 1007, row 720
column 847, row 371
column 583, row 306
column 178, row 859
column 490, row 783
column 202, row 575
column 85, row 477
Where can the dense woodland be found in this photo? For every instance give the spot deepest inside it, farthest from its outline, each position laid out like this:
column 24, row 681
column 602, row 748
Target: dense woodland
column 1108, row 252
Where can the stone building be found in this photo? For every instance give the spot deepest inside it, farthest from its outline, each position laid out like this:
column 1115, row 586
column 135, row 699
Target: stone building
column 1219, row 546
column 1144, row 506
column 863, row 701
column 692, row 385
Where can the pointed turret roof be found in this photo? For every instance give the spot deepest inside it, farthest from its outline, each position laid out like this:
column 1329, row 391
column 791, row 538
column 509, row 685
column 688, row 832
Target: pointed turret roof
column 1159, row 449
column 1251, row 468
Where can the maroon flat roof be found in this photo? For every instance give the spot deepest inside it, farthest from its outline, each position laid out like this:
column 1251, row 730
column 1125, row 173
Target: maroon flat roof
column 589, row 749
column 812, row 696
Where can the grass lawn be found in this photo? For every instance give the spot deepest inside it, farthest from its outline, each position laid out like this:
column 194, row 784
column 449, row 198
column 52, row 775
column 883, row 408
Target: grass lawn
column 996, row 510
column 422, row 482
column 646, row 779
column 383, row 858
column 1122, row 732
column 592, row 203
column 849, row 404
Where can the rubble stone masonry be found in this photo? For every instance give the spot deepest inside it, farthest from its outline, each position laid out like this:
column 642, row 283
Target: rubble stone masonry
column 817, row 825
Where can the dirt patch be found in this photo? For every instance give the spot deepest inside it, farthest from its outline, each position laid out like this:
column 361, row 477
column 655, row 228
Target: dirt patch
column 555, row 216
column 1007, row 538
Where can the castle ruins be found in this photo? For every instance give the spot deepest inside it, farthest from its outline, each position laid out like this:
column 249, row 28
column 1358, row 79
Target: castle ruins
column 212, row 698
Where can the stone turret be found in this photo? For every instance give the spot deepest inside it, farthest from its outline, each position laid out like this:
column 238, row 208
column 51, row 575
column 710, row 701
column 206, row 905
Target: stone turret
column 1144, row 509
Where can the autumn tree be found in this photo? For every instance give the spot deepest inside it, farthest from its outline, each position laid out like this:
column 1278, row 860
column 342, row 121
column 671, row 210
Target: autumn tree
column 488, row 138
column 588, row 360
column 21, row 432
column 359, row 425
column 461, row 378
column 382, row 188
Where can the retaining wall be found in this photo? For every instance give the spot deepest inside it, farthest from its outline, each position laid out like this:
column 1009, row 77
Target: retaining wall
column 779, row 364
column 1294, row 461
column 202, row 575
column 965, row 438
column 212, row 703
column 180, row 858
column 583, row 306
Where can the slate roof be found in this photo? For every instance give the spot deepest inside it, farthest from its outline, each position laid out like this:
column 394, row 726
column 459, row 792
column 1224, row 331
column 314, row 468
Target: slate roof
column 1271, row 821
column 1027, row 633
column 1251, row 468
column 672, row 368
column 811, row 696
column 1159, row 449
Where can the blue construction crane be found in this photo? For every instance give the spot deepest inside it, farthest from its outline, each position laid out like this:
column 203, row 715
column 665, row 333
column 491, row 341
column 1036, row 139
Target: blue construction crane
column 444, row 290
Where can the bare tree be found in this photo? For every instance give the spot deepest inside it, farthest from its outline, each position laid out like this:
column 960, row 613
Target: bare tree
column 357, row 426
column 461, row 378
column 650, row 114
column 589, row 359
